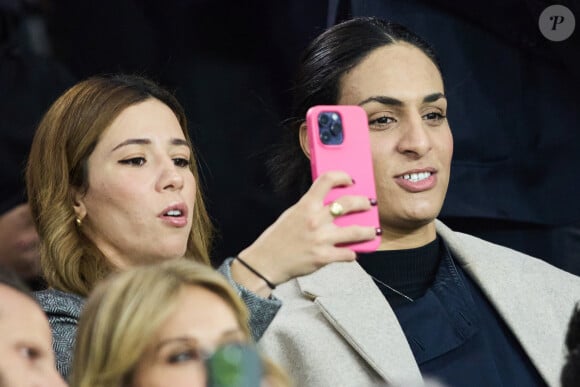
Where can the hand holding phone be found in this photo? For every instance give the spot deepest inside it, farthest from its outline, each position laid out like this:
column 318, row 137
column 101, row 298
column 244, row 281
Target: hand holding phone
column 338, row 140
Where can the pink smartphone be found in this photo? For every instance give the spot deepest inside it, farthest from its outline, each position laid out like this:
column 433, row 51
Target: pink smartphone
column 338, row 137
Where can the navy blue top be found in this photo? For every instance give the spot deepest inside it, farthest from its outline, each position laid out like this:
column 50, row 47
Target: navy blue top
column 455, row 334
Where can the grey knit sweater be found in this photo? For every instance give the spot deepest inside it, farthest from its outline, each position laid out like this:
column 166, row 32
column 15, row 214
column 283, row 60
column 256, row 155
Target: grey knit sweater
column 64, row 309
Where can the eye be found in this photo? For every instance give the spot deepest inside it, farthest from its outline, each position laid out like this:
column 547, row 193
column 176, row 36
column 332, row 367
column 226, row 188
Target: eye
column 134, row 161
column 181, row 162
column 434, row 116
column 30, row 353
column 381, row 123
column 184, row 355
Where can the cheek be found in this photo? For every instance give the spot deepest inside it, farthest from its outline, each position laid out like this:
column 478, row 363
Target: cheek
column 192, row 183
column 445, row 155
column 446, row 145
column 119, row 192
column 98, row 193
column 382, row 159
column 108, row 208
column 450, row 148
column 99, row 198
column 191, row 192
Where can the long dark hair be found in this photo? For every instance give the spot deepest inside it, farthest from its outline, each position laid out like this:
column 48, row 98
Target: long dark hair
column 321, row 66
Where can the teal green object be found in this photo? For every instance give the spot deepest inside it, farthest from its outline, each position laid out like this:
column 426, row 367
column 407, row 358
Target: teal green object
column 235, row 365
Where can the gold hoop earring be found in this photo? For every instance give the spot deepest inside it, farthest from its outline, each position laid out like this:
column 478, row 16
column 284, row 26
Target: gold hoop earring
column 79, row 222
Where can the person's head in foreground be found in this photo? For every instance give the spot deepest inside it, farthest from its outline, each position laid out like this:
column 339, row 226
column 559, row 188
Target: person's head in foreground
column 157, row 325
column 26, row 341
column 112, row 176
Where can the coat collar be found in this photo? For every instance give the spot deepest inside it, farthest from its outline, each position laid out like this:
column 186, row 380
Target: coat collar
column 387, row 353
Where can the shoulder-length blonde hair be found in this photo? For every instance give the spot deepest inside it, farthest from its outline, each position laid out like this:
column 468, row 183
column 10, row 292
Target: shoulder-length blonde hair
column 124, row 313
column 58, row 162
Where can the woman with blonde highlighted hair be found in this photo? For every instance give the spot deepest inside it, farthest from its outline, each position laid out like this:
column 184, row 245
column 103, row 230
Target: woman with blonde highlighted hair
column 153, row 325
column 112, row 182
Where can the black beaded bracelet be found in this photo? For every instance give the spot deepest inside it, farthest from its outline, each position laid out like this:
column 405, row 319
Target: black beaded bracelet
column 250, row 268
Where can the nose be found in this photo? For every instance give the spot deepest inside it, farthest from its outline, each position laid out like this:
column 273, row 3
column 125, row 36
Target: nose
column 415, row 140
column 170, row 178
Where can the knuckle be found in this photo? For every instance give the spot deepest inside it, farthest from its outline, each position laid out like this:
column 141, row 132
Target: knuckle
column 321, row 258
column 349, row 255
column 319, row 243
column 312, row 224
column 327, row 178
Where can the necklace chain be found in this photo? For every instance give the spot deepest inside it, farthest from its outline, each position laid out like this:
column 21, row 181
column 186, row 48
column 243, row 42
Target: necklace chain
column 392, row 289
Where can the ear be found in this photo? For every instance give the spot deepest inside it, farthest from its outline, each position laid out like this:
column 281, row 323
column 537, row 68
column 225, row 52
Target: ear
column 79, row 204
column 303, row 136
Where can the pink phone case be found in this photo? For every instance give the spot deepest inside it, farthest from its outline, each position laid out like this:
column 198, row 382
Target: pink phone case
column 352, row 156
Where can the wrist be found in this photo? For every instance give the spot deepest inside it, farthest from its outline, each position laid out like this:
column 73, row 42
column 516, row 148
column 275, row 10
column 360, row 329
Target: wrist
column 249, row 280
column 256, row 273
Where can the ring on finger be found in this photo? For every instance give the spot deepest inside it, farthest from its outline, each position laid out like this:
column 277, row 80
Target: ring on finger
column 336, row 209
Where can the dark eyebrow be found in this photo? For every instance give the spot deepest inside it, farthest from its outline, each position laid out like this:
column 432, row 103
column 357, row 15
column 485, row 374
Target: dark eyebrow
column 383, row 99
column 140, row 141
column 433, row 97
column 179, row 141
column 144, row 141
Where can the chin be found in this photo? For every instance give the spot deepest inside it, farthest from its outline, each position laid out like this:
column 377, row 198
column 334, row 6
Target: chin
column 414, row 224
column 167, row 253
column 411, row 221
column 423, row 210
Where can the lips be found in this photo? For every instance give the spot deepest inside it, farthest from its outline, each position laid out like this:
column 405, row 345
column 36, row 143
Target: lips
column 175, row 215
column 417, row 180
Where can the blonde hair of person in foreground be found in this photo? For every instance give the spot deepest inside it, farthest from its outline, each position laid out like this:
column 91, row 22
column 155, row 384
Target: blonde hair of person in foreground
column 152, row 326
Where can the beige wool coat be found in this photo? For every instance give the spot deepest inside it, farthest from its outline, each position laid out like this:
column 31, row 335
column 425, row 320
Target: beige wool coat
column 335, row 327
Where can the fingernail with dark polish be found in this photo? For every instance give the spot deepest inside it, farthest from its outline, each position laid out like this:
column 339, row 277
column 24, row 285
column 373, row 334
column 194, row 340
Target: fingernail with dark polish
column 373, row 201
column 378, row 231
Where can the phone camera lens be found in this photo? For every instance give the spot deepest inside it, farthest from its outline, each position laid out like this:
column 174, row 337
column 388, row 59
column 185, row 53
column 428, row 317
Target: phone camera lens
column 336, row 128
column 330, row 128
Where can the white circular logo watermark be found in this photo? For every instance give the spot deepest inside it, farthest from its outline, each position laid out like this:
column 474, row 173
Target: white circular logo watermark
column 557, row 23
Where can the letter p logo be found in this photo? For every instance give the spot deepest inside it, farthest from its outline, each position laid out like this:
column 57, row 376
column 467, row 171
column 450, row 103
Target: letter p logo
column 557, row 23
column 556, row 20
